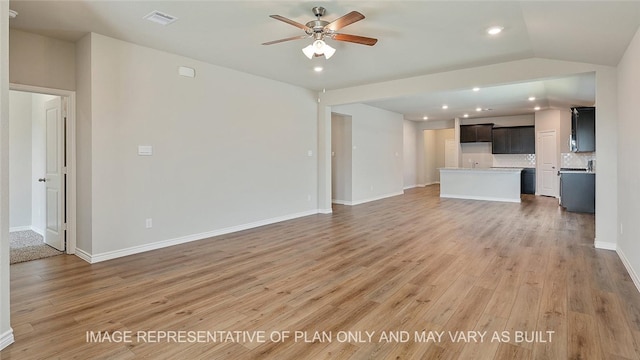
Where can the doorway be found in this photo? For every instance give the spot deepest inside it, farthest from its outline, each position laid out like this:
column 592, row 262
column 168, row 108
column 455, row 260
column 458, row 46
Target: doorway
column 41, row 169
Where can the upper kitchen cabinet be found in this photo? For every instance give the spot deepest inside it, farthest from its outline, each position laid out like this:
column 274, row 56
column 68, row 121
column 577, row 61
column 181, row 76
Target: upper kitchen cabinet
column 583, row 129
column 514, row 140
column 501, row 143
column 475, row 133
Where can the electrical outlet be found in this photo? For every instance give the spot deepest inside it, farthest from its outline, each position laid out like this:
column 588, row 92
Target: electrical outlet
column 621, row 232
column 149, row 223
column 308, row 197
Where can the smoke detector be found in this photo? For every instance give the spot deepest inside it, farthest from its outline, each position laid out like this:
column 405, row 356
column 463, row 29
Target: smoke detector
column 12, row 14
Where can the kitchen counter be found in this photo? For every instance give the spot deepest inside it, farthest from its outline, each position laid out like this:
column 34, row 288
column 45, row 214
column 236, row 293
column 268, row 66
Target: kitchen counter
column 499, row 169
column 576, row 171
column 492, row 184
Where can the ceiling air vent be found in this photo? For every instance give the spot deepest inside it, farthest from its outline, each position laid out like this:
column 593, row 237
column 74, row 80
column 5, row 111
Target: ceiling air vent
column 160, row 17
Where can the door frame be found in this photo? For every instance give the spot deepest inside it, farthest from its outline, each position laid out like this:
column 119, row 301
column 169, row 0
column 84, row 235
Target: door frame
column 539, row 174
column 70, row 148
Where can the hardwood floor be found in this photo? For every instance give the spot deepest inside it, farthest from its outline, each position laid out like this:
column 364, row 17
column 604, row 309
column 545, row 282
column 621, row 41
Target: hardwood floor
column 409, row 277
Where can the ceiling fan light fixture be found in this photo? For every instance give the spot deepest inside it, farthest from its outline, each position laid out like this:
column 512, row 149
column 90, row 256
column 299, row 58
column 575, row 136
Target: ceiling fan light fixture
column 328, row 51
column 319, row 47
column 309, row 51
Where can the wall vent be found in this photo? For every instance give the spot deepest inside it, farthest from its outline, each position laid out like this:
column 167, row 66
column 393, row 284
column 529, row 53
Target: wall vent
column 160, row 17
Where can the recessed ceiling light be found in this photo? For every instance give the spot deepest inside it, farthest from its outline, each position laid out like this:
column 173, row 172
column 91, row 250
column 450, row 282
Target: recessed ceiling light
column 445, row 107
column 160, row 17
column 478, row 109
column 466, row 115
column 317, row 69
column 536, row 108
column 532, row 98
column 495, row 30
column 476, row 89
column 425, row 118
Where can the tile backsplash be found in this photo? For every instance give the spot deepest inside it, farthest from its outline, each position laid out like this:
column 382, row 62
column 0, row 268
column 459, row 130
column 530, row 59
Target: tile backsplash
column 577, row 160
column 514, row 160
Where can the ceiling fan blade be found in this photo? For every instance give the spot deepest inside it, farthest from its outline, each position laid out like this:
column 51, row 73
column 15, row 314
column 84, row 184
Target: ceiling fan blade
column 287, row 39
column 291, row 22
column 341, row 22
column 355, row 39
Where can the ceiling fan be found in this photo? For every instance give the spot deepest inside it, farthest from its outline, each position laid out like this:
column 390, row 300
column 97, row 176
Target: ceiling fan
column 321, row 29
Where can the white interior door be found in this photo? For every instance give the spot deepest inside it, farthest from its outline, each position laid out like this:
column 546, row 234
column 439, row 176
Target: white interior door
column 547, row 182
column 54, row 178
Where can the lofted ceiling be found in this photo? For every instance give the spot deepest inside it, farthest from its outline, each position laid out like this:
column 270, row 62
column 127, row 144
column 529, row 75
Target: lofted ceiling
column 415, row 38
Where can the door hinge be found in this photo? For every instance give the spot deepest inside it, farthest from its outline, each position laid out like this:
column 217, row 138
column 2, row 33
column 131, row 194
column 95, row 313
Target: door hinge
column 64, row 226
column 64, row 169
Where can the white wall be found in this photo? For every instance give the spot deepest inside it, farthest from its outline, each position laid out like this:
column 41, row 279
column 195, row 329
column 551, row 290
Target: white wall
column 425, row 177
column 84, row 136
column 431, row 175
column 629, row 173
column 341, row 157
column 6, row 333
column 229, row 149
column 433, row 149
column 20, row 179
column 377, row 152
column 41, row 61
column 409, row 151
column 441, row 137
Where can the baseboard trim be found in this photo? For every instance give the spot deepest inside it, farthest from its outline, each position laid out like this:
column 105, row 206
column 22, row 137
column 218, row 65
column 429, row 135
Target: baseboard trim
column 6, row 339
column 109, row 255
column 20, row 228
column 83, row 255
column 325, row 211
column 37, row 230
column 411, row 186
column 27, row 228
column 358, row 202
column 340, row 202
column 634, row 277
column 377, row 198
column 484, row 198
column 603, row 245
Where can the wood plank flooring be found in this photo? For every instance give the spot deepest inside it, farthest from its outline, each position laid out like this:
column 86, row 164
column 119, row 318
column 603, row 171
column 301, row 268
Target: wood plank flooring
column 409, row 277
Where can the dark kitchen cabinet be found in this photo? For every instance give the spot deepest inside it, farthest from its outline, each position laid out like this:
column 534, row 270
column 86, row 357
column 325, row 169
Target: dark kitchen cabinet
column 501, row 143
column 528, row 139
column 528, row 181
column 514, row 140
column 475, row 133
column 578, row 191
column 583, row 129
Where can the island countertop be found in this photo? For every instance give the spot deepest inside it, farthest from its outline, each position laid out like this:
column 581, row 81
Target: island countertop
column 483, row 169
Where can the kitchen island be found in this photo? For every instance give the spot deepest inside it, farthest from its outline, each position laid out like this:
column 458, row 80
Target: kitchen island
column 492, row 184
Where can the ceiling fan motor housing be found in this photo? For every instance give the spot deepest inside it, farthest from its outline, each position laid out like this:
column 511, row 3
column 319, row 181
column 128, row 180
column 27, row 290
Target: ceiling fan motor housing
column 318, row 11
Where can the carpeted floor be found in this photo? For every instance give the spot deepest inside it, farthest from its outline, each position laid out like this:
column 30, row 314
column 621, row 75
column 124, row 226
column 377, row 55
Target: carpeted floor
column 29, row 245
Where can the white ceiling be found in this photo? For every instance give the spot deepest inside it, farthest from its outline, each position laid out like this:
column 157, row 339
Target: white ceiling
column 415, row 38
